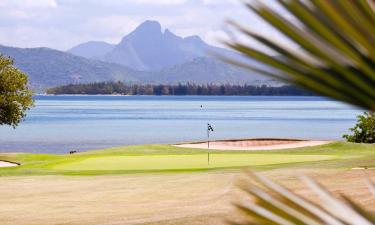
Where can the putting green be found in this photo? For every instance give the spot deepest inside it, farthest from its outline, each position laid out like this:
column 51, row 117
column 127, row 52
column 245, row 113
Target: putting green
column 184, row 162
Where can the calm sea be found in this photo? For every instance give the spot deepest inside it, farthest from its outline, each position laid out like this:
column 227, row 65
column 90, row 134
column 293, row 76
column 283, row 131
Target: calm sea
column 61, row 123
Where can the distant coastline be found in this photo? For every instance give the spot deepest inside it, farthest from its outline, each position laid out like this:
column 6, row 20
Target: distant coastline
column 122, row 89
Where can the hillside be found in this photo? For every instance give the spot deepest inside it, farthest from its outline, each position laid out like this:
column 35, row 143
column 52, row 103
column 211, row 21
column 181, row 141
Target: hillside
column 207, row 70
column 47, row 67
column 91, row 49
column 149, row 48
column 146, row 55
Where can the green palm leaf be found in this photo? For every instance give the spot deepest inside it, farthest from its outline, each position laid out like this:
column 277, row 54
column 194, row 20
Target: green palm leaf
column 335, row 58
column 336, row 55
column 274, row 204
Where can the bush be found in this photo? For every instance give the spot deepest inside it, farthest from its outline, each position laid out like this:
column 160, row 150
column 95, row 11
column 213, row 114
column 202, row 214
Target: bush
column 364, row 130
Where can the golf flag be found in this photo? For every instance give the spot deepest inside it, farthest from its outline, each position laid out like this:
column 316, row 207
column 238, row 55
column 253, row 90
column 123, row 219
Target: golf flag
column 209, row 127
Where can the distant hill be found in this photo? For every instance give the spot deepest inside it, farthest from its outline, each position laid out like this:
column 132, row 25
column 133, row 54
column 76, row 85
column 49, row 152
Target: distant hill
column 206, row 70
column 47, row 67
column 91, row 49
column 146, row 55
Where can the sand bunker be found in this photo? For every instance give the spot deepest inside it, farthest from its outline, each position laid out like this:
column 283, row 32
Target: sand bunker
column 7, row 164
column 254, row 144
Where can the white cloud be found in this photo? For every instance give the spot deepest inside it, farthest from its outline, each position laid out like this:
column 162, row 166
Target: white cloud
column 163, row 2
column 28, row 3
column 63, row 23
column 112, row 27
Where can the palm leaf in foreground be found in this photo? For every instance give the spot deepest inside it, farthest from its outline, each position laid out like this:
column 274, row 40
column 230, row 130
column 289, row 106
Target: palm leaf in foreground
column 336, row 54
column 274, row 204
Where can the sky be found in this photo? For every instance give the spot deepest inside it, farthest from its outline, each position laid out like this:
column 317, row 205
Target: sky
column 62, row 24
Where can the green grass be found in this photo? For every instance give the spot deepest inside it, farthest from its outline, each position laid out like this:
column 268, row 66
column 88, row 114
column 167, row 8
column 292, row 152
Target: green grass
column 183, row 162
column 166, row 158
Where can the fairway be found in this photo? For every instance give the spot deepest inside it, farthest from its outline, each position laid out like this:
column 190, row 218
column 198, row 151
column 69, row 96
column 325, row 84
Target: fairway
column 184, row 162
column 167, row 158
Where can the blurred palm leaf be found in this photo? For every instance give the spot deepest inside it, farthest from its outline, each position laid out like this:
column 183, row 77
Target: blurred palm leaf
column 274, row 204
column 336, row 40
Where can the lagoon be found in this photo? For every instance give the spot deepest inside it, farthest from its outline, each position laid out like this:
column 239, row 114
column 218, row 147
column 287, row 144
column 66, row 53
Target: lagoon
column 58, row 124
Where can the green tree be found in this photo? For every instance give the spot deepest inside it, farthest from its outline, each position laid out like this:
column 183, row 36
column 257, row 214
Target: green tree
column 364, row 130
column 15, row 95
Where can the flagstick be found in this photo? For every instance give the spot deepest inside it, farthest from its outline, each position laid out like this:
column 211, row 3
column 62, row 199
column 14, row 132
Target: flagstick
column 208, row 146
column 209, row 128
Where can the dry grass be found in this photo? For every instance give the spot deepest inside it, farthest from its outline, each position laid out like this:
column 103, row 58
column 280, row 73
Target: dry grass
column 184, row 198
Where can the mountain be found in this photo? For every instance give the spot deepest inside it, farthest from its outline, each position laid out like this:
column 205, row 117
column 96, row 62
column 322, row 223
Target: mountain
column 91, row 49
column 146, row 55
column 47, row 67
column 148, row 48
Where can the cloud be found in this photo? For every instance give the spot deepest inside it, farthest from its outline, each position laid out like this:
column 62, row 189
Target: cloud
column 163, row 2
column 111, row 28
column 27, row 4
column 62, row 24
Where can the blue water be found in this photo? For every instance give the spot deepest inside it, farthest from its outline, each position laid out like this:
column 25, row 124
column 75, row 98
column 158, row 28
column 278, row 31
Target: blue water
column 61, row 123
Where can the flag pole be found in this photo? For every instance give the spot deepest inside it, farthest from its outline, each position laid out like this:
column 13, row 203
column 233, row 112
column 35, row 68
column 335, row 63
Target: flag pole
column 208, row 144
column 208, row 136
column 209, row 128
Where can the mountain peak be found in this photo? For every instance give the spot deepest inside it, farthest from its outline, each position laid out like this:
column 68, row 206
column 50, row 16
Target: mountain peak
column 149, row 47
column 171, row 36
column 149, row 26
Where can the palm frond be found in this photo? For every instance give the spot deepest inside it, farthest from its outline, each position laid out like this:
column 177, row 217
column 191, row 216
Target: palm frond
column 336, row 54
column 274, row 204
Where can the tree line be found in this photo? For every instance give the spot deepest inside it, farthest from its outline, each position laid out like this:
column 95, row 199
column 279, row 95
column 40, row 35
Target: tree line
column 109, row 88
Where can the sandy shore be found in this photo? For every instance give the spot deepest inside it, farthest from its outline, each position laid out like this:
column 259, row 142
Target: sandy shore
column 256, row 144
column 7, row 164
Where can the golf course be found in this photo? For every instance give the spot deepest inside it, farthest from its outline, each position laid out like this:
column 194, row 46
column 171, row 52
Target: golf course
column 165, row 184
column 169, row 159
